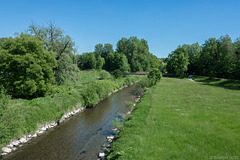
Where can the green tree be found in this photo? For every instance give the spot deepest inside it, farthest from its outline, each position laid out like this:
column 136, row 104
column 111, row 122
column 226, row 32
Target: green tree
column 154, row 61
column 98, row 49
column 109, row 62
column 178, row 61
column 236, row 72
column 66, row 70
column 107, row 49
column 137, row 53
column 54, row 40
column 193, row 53
column 26, row 67
column 117, row 73
column 99, row 62
column 226, row 57
column 123, row 63
column 87, row 61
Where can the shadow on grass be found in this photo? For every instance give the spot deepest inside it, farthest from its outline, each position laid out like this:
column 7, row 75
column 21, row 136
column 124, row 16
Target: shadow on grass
column 224, row 83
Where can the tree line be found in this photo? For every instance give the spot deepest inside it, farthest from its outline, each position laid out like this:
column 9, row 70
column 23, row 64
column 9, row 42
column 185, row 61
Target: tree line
column 131, row 55
column 215, row 58
column 34, row 62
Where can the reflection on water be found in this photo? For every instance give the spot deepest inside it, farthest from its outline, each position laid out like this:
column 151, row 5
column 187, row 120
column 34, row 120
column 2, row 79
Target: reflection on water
column 81, row 136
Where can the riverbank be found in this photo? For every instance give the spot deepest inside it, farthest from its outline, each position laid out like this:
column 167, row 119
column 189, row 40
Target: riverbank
column 180, row 119
column 25, row 119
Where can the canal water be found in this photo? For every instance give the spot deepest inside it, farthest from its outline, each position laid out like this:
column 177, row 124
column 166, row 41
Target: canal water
column 80, row 137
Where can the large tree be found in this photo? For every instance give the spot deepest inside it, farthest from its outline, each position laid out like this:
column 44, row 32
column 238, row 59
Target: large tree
column 62, row 45
column 177, row 61
column 193, row 53
column 87, row 61
column 26, row 67
column 136, row 51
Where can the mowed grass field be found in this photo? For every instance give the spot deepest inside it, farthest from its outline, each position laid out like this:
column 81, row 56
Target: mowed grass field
column 180, row 119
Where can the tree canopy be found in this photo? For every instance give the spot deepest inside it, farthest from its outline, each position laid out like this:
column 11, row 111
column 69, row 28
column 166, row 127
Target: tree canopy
column 215, row 58
column 178, row 61
column 26, row 67
column 62, row 45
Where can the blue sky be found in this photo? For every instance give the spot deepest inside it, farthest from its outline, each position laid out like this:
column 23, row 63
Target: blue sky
column 165, row 24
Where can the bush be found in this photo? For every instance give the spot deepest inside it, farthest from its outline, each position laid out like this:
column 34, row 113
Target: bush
column 154, row 75
column 104, row 75
column 117, row 73
column 145, row 82
column 26, row 67
column 97, row 90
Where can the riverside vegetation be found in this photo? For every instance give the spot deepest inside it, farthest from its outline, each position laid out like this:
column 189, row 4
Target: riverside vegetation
column 40, row 77
column 180, row 119
column 22, row 116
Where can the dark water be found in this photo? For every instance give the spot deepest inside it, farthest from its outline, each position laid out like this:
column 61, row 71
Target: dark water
column 81, row 136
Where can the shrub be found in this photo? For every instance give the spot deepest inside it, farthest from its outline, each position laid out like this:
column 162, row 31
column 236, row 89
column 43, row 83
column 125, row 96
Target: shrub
column 104, row 75
column 145, row 82
column 154, row 75
column 97, row 90
column 117, row 73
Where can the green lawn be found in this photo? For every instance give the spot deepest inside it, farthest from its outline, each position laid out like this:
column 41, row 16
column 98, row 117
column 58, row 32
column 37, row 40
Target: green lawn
column 180, row 119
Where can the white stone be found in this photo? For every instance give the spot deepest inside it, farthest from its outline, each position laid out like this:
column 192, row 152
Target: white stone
column 43, row 129
column 6, row 149
column 10, row 145
column 14, row 148
column 101, row 154
column 15, row 143
column 4, row 154
column 114, row 129
column 39, row 132
column 23, row 140
column 34, row 135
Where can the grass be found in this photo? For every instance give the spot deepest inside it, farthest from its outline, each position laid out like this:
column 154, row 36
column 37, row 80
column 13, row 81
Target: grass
column 224, row 83
column 23, row 116
column 180, row 119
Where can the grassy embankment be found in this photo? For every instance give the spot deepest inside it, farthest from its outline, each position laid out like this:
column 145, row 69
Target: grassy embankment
column 180, row 119
column 23, row 116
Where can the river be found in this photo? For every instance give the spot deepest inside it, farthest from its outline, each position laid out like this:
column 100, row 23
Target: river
column 80, row 137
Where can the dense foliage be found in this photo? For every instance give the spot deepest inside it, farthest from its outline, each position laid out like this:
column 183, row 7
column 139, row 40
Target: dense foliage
column 178, row 61
column 155, row 75
column 97, row 90
column 117, row 73
column 63, row 47
column 215, row 58
column 131, row 55
column 26, row 67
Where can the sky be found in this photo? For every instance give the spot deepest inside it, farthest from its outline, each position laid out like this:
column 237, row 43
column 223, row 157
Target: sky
column 165, row 24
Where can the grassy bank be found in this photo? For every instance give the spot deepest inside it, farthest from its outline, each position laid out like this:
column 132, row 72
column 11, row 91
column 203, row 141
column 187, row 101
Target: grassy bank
column 22, row 116
column 224, row 83
column 180, row 119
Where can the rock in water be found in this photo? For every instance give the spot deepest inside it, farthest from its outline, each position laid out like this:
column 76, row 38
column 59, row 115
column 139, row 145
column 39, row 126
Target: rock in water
column 101, row 154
